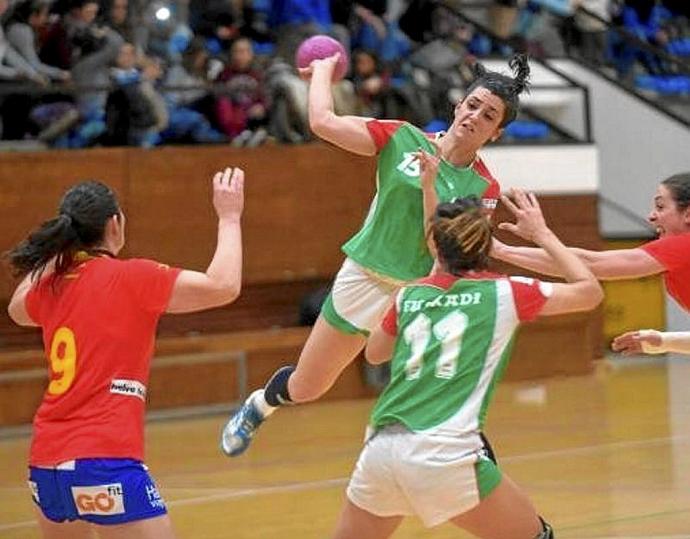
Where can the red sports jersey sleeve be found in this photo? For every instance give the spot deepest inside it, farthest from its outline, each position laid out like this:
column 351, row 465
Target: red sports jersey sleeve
column 150, row 283
column 382, row 130
column 31, row 304
column 493, row 191
column 389, row 324
column 530, row 295
column 672, row 251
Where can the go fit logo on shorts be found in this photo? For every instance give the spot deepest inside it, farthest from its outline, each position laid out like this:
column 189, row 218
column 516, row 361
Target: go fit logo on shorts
column 99, row 500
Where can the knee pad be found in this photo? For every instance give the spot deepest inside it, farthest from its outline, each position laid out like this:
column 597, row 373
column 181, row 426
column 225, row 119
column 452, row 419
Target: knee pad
column 547, row 530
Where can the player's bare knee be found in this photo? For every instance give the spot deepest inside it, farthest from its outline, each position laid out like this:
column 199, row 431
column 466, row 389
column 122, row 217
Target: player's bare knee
column 301, row 392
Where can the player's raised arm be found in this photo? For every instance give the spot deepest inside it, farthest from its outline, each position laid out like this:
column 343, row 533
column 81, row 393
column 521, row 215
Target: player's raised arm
column 221, row 282
column 582, row 292
column 348, row 132
column 605, row 265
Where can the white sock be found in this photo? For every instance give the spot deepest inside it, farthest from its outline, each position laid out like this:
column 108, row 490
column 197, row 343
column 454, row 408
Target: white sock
column 259, row 401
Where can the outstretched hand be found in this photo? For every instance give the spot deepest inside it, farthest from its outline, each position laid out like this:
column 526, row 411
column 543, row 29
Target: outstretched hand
column 228, row 193
column 529, row 217
column 632, row 342
column 428, row 163
column 328, row 63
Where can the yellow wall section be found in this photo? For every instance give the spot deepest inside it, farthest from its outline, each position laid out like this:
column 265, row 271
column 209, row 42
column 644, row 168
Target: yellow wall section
column 633, row 304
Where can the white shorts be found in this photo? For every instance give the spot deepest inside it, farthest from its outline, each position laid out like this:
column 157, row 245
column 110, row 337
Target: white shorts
column 359, row 299
column 401, row 473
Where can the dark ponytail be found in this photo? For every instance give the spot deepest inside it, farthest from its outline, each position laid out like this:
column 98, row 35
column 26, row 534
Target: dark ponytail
column 80, row 225
column 506, row 87
column 462, row 234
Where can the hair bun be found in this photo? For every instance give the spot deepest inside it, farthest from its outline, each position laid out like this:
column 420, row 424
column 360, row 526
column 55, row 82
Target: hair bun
column 478, row 70
column 520, row 67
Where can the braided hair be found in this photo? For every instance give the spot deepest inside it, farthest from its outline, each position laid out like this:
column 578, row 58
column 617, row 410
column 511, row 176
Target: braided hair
column 506, row 87
column 462, row 234
column 80, row 226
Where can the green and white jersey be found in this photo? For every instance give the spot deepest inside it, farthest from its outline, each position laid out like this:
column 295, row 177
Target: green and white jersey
column 454, row 338
column 391, row 241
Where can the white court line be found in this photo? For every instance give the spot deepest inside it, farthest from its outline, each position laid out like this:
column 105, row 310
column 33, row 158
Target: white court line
column 326, row 483
column 595, row 448
column 18, row 525
column 259, row 491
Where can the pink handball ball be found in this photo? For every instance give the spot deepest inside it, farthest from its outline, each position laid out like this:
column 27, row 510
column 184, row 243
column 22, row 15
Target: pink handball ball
column 318, row 47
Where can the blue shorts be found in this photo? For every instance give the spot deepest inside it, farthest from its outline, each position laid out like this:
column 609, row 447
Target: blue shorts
column 102, row 491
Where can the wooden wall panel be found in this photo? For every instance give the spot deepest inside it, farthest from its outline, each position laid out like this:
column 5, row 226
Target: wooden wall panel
column 301, row 204
column 31, row 185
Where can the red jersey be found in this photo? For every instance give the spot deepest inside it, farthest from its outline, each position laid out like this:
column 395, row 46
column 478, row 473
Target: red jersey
column 382, row 130
column 99, row 323
column 673, row 252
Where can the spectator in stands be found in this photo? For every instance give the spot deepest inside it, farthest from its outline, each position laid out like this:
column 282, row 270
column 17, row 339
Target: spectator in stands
column 28, row 19
column 372, row 28
column 593, row 31
column 439, row 71
column 14, row 107
column 216, row 21
column 416, row 20
column 189, row 78
column 50, row 113
column 242, row 112
column 12, row 65
column 503, row 16
column 74, row 29
column 191, row 104
column 295, row 20
column 116, row 15
column 371, row 84
column 287, row 94
column 648, row 21
column 135, row 112
column 679, row 8
column 220, row 22
column 77, row 43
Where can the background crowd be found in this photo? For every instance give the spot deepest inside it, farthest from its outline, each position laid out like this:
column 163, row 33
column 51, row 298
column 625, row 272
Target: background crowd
column 80, row 73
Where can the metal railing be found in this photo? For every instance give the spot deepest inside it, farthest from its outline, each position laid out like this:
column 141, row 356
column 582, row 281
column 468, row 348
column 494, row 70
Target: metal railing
column 460, row 9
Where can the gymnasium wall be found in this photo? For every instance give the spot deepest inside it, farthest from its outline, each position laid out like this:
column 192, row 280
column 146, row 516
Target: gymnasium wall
column 302, row 202
column 639, row 146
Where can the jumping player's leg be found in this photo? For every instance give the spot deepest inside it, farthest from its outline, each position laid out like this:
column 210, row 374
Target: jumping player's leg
column 356, row 305
column 64, row 530
column 356, row 523
column 151, row 528
column 324, row 356
column 506, row 513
